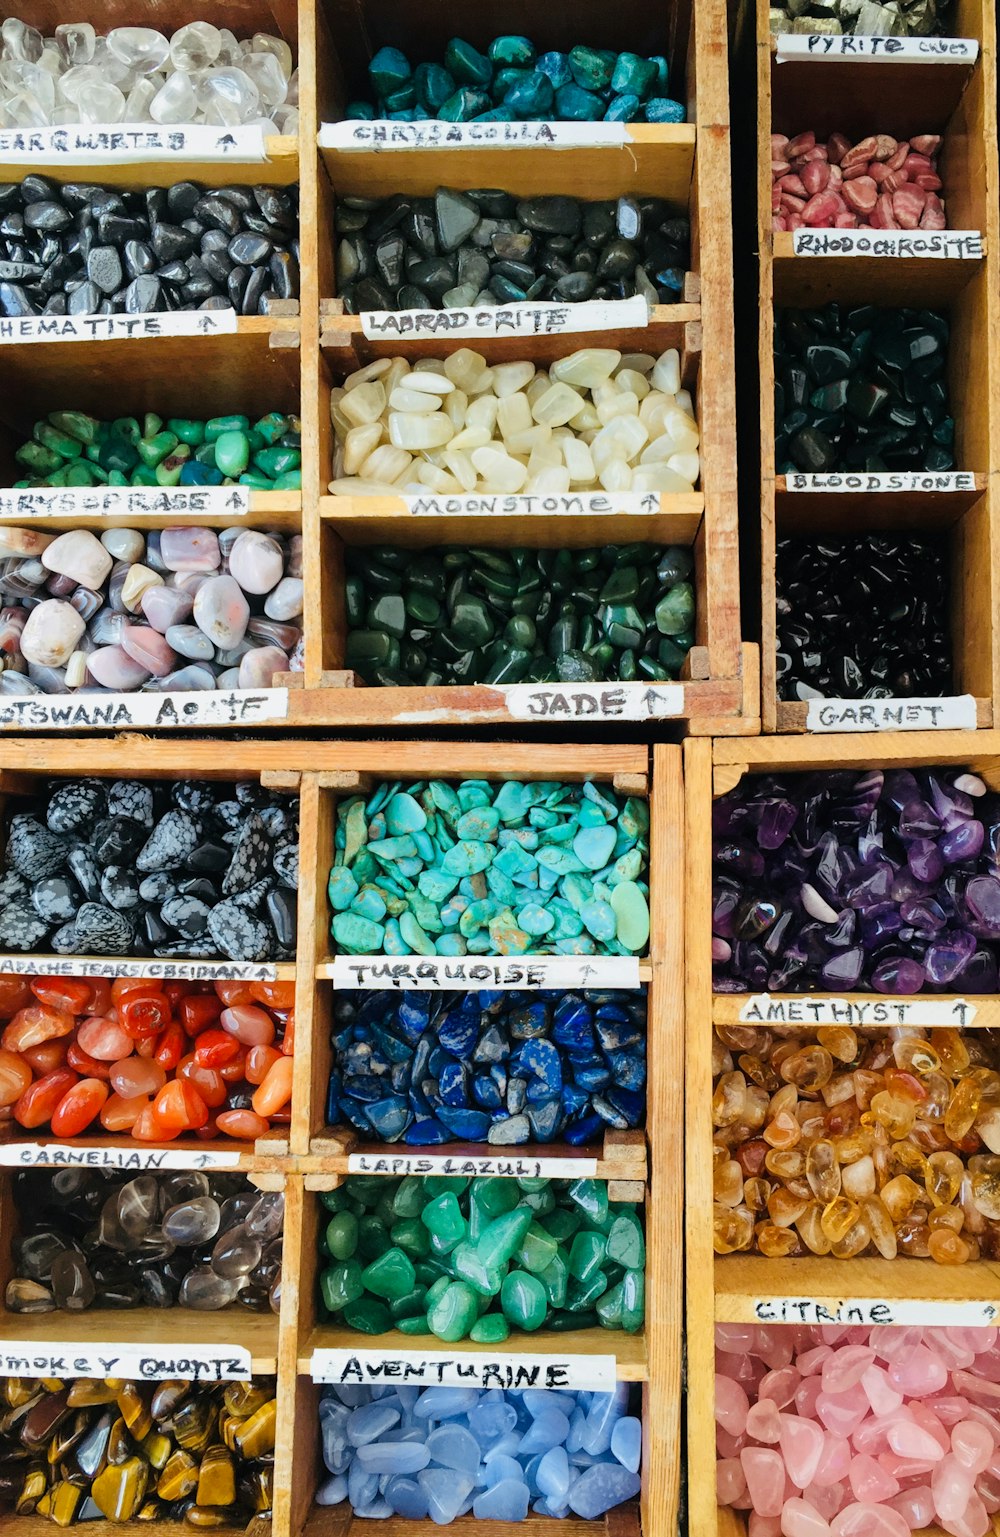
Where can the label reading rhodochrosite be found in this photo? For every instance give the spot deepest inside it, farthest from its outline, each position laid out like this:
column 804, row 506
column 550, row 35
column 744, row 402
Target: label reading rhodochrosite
column 210, row 707
column 535, row 319
column 804, row 1009
column 124, row 501
column 470, row 1165
column 433, row 133
column 492, row 973
column 116, row 328
column 897, row 50
column 164, row 1363
column 463, row 1369
column 873, row 1311
column 593, row 701
column 95, row 143
column 162, row 971
column 964, row 244
column 131, row 1159
column 583, row 504
column 884, row 480
column 954, row 713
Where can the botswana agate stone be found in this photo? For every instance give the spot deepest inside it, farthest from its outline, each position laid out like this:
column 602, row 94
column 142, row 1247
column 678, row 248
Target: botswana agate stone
column 883, row 881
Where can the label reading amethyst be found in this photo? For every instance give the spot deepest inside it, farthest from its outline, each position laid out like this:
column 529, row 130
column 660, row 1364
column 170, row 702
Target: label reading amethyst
column 953, row 713
column 471, row 1369
column 807, row 1009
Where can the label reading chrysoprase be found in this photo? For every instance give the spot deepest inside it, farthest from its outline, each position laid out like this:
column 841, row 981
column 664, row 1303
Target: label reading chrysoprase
column 878, row 481
column 194, row 1363
column 208, row 707
column 114, row 966
column 124, row 502
column 471, row 1165
column 898, row 50
column 433, row 133
column 874, row 1311
column 95, row 143
column 51, row 1155
column 529, row 319
column 581, row 504
column 804, row 1009
column 592, row 701
column 463, row 1369
column 936, row 245
column 116, row 328
column 428, row 973
column 954, row 713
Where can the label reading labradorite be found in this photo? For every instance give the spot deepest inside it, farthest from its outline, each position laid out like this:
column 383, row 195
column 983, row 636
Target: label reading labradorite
column 432, row 133
column 593, row 701
column 963, row 244
column 872, row 1311
column 535, row 319
column 189, row 1363
column 878, row 481
column 581, row 504
column 125, row 501
column 95, row 143
column 462, row 1369
column 208, row 707
column 468, row 1165
column 804, row 1009
column 55, row 1155
column 954, row 713
column 113, row 966
column 426, row 973
column 897, row 50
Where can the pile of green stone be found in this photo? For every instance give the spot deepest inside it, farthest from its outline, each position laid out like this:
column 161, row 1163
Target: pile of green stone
column 512, row 82
column 473, row 1259
column 70, row 448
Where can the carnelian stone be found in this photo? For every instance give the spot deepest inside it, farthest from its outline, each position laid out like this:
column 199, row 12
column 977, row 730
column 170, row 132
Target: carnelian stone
column 276, row 1090
column 288, row 1039
column 34, row 1024
column 175, row 991
column 234, row 994
column 200, row 1011
column 147, row 1127
column 259, row 1060
column 14, row 994
column 236, row 1070
column 46, row 1057
column 143, row 1017
column 81, row 1105
column 83, row 1063
column 207, row 1080
column 118, row 1114
column 215, row 1047
column 40, row 1098
column 179, row 1106
column 104, row 1039
column 135, row 987
column 273, row 995
column 241, row 1123
column 250, row 1026
column 15, row 1076
column 70, row 994
column 134, row 1076
column 101, row 1000
column 170, row 1047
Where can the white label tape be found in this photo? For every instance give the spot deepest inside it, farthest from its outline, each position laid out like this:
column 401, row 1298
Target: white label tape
column 879, row 481
column 116, row 328
column 432, row 973
column 124, row 502
column 434, row 133
column 464, row 1369
column 469, row 1165
column 953, row 713
column 895, row 50
column 937, row 245
column 807, row 1009
column 874, row 1311
column 114, row 966
column 593, row 701
column 208, row 707
column 582, row 504
column 143, row 1363
column 97, row 143
column 535, row 318
column 60, row 1154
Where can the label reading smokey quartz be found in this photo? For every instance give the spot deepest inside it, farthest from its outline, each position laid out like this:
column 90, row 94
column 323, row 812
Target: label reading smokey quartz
column 805, row 1009
column 936, row 245
column 432, row 133
column 194, row 1363
column 208, row 707
column 469, row 1165
column 463, row 1369
column 879, row 481
column 873, row 1311
column 116, row 328
column 583, row 504
column 44, row 1155
column 897, row 50
column 95, row 143
column 124, row 501
column 492, row 973
column 534, row 319
column 953, row 713
column 593, row 701
column 115, row 966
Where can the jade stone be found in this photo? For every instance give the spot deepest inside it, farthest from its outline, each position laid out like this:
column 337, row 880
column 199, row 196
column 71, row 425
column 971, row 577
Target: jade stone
column 437, row 892
column 623, row 612
column 518, row 1254
column 511, row 82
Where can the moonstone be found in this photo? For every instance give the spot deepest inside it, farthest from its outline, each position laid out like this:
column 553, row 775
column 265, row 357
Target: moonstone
column 221, row 611
column 50, row 636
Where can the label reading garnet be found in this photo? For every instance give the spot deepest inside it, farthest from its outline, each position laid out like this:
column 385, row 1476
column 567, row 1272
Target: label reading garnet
column 208, row 707
column 463, row 1369
column 142, row 1363
column 953, row 713
column 536, row 319
column 116, row 328
column 492, row 973
column 593, row 701
column 96, row 143
column 897, row 50
column 937, row 245
column 125, row 501
column 432, row 133
column 805, row 1009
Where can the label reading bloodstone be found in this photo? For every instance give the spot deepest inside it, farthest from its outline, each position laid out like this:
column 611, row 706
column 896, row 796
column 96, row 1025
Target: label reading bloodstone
column 125, row 501
column 535, row 319
column 883, row 480
column 939, row 245
column 953, row 713
column 464, row 1369
column 593, row 701
column 494, row 973
column 118, row 328
column 432, row 133
column 95, row 144
column 897, row 50
column 207, row 707
column 193, row 1363
column 807, row 1009
column 469, row 1165
column 873, row 1311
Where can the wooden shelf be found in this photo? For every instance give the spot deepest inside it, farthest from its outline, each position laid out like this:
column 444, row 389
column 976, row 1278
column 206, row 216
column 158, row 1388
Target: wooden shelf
column 620, row 1157
column 815, row 280
column 629, row 1350
column 392, row 520
column 340, row 1521
column 279, row 169
column 156, row 1329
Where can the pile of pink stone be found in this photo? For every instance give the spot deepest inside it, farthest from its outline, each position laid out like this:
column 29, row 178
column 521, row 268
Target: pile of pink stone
column 858, row 1432
column 878, row 183
column 184, row 608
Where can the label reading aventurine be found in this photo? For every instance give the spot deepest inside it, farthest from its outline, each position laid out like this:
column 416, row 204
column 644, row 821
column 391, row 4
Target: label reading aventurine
column 124, row 501
column 898, row 50
column 469, row 1165
column 580, row 504
column 528, row 319
column 883, row 480
column 875, row 1311
column 493, row 973
column 207, row 707
column 956, row 712
column 433, row 133
column 463, row 1369
column 194, row 1363
column 116, row 328
column 593, row 701
column 95, row 143
column 114, row 966
column 805, row 1009
column 59, row 1154
column 964, row 244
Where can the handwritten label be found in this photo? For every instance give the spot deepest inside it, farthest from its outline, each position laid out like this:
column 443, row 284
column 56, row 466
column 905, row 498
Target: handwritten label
column 874, row 1311
column 58, row 1154
column 463, row 1369
column 955, row 713
column 534, row 319
column 884, row 480
column 593, row 701
column 897, row 50
column 207, row 707
column 143, row 1363
column 115, row 966
column 805, row 1009
column 939, row 245
column 484, row 972
column 471, row 1165
column 96, row 143
column 124, row 502
column 116, row 328
column 583, row 504
column 434, row 133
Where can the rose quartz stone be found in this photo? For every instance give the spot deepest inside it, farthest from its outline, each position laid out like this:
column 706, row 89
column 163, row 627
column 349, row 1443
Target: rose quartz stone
column 763, row 1421
column 799, row 1518
column 81, row 555
column 112, row 667
column 51, row 633
column 764, row 1471
column 802, row 1444
column 190, row 549
column 221, row 611
column 259, row 666
column 149, row 649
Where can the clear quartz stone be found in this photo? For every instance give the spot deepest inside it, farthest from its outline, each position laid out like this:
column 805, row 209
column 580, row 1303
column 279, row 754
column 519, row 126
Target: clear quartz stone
column 24, row 110
column 102, row 103
column 75, row 41
column 81, row 77
column 140, row 97
column 139, row 48
column 286, row 120
column 266, row 74
column 195, row 46
column 263, row 42
column 175, row 101
column 113, row 67
column 228, row 97
column 21, row 41
column 230, row 51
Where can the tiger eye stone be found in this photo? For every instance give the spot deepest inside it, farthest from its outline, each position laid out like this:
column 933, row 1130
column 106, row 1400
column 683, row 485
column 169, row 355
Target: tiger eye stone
column 204, row 1515
column 179, row 1477
column 134, row 1407
column 119, row 1491
column 255, row 1437
column 65, row 1501
column 31, row 1491
column 216, row 1478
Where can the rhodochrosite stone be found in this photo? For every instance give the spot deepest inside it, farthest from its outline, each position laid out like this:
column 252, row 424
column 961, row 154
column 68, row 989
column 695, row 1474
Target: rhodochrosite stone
column 858, row 1432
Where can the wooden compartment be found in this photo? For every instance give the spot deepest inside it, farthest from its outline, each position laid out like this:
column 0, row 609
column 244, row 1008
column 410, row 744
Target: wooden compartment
column 957, row 100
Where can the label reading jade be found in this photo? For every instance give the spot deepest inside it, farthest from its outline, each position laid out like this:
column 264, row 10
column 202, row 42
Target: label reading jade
column 116, row 328
column 193, row 1363
column 581, row 504
column 113, row 966
column 805, row 1009
column 469, row 1165
column 433, row 133
column 884, row 480
column 897, row 50
column 208, row 707
column 95, row 143
column 870, row 1311
column 44, row 1155
column 463, row 1369
column 954, row 713
column 538, row 319
column 593, row 701
column 963, row 244
column 124, row 501
column 494, row 973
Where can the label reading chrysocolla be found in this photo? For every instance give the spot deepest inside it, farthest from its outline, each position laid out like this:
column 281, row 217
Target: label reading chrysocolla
column 805, row 1009
column 582, row 504
column 471, row 1165
column 190, row 1363
column 955, row 712
column 433, row 133
column 208, row 707
column 430, row 973
column 528, row 319
column 895, row 50
column 123, row 502
column 115, row 966
column 592, row 702
column 96, row 143
column 464, row 1369
column 874, row 1312
column 54, row 1155
column 934, row 245
column 880, row 481
column 22, row 329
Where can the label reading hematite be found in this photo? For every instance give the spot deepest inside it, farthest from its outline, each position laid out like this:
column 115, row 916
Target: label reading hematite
column 116, row 328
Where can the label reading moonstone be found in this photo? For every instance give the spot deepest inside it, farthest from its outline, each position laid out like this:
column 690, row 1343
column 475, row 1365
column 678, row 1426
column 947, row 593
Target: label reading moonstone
column 883, row 480
column 955, row 712
column 806, row 1009
column 965, row 244
column 581, row 504
column 897, row 50
column 538, row 318
column 116, row 328
column 96, row 143
column 427, row 973
column 190, row 1363
column 592, row 701
column 207, row 707
column 115, row 966
column 125, row 501
column 60, row 1155
column 462, row 1369
column 868, row 1311
column 469, row 1165
column 433, row 133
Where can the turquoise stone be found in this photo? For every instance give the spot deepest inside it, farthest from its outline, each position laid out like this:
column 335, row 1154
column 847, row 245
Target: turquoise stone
column 404, row 814
column 593, row 846
column 632, row 914
column 357, row 935
column 342, row 888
